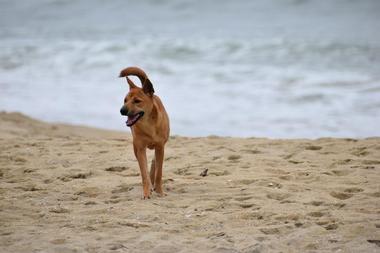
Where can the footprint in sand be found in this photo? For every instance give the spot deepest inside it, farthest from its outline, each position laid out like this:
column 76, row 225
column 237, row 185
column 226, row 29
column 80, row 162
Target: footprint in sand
column 317, row 214
column 243, row 198
column 344, row 161
column 18, row 159
column 58, row 241
column 290, row 218
column 277, row 171
column 59, row 209
column 117, row 246
column 374, row 194
column 171, row 158
column 243, row 201
column 338, row 173
column 328, row 224
column 304, row 175
column 133, row 224
column 377, row 242
column 234, row 158
column 220, row 173
column 244, row 181
column 312, row 147
column 341, row 195
column 278, row 196
column 255, row 215
column 341, row 173
column 316, row 203
column 30, row 188
column 177, row 189
column 274, row 230
column 48, row 181
column 360, row 151
column 286, row 177
column 116, row 168
column 75, row 175
column 365, row 167
column 295, row 161
column 246, row 205
column 122, row 188
column 27, row 171
column 90, row 203
column 270, row 184
column 90, row 192
column 251, row 151
column 217, row 157
column 353, row 190
column 183, row 172
column 370, row 162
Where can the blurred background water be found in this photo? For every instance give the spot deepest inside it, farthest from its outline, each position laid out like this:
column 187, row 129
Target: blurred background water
column 269, row 68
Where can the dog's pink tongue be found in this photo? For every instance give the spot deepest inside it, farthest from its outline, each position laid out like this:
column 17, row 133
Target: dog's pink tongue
column 131, row 119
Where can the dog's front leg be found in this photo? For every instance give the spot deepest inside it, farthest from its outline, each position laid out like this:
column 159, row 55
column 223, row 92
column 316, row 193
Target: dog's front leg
column 159, row 160
column 153, row 171
column 140, row 153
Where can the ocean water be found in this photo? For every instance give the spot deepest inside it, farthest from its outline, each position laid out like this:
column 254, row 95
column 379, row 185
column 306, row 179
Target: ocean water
column 269, row 68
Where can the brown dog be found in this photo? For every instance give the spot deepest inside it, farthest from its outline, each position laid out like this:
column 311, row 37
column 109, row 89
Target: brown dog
column 149, row 123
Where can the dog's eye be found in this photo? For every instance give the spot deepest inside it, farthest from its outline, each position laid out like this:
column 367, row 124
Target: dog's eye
column 136, row 101
column 125, row 100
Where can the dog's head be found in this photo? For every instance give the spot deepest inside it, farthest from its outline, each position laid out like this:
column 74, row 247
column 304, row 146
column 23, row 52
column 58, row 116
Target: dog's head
column 139, row 101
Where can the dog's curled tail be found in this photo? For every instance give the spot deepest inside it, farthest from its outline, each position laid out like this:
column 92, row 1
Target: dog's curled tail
column 145, row 82
column 134, row 71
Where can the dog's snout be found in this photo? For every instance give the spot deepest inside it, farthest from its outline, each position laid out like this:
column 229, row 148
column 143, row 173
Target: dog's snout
column 124, row 111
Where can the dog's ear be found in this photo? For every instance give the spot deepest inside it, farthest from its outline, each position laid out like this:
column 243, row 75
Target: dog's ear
column 148, row 87
column 131, row 83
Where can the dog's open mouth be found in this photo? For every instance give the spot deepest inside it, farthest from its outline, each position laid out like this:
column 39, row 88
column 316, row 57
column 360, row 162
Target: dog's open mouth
column 134, row 118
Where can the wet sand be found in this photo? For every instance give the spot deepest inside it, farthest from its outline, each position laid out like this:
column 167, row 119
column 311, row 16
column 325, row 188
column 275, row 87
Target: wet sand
column 78, row 189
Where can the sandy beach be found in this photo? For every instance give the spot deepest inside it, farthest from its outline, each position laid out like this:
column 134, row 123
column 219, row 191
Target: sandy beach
column 78, row 189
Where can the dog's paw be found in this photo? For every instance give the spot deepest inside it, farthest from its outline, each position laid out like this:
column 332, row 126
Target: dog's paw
column 160, row 192
column 160, row 195
column 145, row 197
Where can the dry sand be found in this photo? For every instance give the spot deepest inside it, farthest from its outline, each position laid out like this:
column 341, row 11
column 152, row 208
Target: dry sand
column 77, row 189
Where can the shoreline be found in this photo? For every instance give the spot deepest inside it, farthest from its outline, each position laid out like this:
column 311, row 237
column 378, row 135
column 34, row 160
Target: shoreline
column 71, row 188
column 64, row 125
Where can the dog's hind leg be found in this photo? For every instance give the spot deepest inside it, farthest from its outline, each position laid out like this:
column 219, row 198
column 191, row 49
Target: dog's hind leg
column 159, row 159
